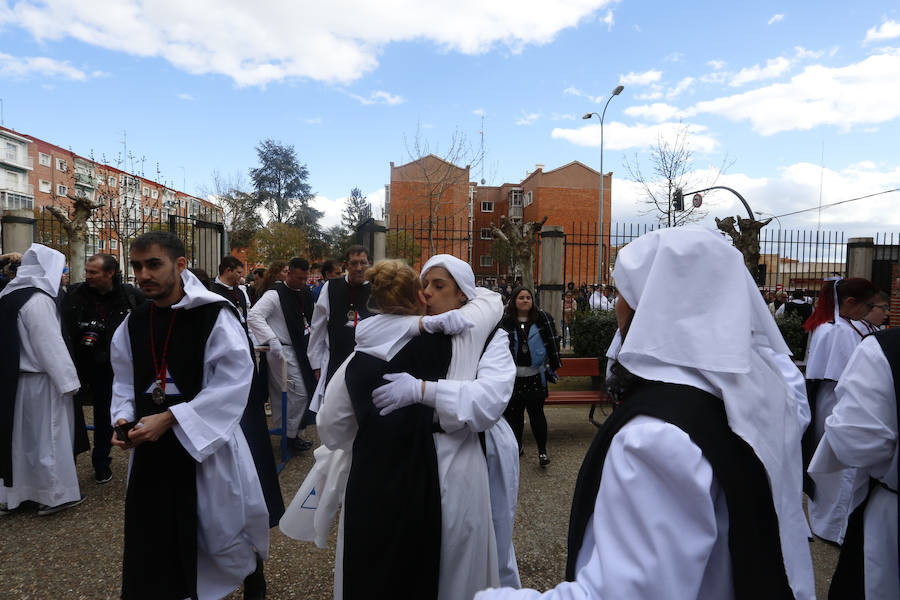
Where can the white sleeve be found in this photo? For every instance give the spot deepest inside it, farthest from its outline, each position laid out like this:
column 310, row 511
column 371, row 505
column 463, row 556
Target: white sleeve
column 317, row 349
column 122, row 403
column 476, row 404
column 862, row 429
column 336, row 422
column 38, row 317
column 780, row 311
column 208, row 421
column 257, row 317
column 654, row 526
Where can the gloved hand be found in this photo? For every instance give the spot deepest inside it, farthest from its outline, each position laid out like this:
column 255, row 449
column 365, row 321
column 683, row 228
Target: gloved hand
column 450, row 322
column 402, row 390
column 276, row 352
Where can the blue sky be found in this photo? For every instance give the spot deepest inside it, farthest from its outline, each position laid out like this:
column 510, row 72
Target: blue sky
column 196, row 85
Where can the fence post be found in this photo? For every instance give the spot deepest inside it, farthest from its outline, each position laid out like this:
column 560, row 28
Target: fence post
column 551, row 285
column 860, row 254
column 17, row 227
column 379, row 239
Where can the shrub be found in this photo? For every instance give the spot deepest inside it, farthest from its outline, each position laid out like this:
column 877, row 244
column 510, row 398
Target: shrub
column 794, row 335
column 593, row 332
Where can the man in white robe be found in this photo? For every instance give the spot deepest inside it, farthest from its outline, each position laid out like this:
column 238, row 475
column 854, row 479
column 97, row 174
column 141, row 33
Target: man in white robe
column 232, row 529
column 43, row 422
column 861, row 432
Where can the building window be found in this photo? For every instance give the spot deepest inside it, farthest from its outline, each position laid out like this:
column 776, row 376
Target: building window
column 44, row 159
column 61, row 190
column 113, row 244
column 146, row 211
column 528, row 199
column 486, row 260
column 112, row 202
column 486, row 233
column 182, row 203
column 45, row 186
column 487, row 206
column 61, row 165
column 154, row 194
column 146, row 191
column 12, row 151
column 112, row 181
column 515, row 198
column 155, row 212
column 102, row 244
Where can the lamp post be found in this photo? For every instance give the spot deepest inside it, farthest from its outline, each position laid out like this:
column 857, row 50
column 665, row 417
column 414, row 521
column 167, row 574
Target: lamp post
column 615, row 92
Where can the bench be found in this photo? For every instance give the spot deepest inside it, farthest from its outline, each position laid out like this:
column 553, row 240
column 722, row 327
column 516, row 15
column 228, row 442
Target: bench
column 579, row 367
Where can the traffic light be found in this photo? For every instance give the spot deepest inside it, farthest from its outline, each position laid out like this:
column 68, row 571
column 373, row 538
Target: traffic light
column 678, row 200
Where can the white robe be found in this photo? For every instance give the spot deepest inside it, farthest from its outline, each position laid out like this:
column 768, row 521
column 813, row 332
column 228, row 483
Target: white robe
column 232, row 518
column 830, row 347
column 44, row 419
column 861, row 432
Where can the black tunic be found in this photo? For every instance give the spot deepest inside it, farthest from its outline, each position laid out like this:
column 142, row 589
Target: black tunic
column 753, row 540
column 160, row 559
column 342, row 299
column 392, row 512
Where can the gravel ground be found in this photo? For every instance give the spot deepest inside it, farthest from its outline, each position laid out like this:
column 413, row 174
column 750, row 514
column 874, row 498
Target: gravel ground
column 77, row 553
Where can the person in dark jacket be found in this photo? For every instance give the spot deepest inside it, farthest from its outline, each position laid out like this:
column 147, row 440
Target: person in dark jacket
column 90, row 313
column 535, row 347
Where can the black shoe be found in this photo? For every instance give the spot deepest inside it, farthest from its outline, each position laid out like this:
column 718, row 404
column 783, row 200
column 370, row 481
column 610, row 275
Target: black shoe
column 103, row 474
column 299, row 445
column 255, row 583
column 44, row 510
column 543, row 459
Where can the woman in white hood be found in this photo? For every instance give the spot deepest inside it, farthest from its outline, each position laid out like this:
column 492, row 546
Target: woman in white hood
column 692, row 489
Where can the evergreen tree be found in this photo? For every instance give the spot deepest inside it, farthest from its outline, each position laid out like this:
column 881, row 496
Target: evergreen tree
column 356, row 211
column 281, row 186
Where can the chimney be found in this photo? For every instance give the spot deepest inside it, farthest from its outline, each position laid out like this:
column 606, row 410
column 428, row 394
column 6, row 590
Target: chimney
column 539, row 167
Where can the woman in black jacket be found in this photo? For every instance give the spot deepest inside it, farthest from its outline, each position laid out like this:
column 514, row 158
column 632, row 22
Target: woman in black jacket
column 535, row 347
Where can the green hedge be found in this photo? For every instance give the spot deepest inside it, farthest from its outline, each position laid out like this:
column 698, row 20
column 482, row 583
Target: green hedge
column 592, row 333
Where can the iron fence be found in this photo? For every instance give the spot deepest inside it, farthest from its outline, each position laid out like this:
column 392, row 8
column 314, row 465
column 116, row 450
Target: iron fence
column 416, row 240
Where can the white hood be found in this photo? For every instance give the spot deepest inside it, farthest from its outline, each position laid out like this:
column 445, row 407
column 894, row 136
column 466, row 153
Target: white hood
column 41, row 267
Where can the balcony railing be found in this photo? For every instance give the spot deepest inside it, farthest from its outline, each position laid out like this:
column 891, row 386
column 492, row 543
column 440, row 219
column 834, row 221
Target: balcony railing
column 26, row 189
column 85, row 179
column 20, row 161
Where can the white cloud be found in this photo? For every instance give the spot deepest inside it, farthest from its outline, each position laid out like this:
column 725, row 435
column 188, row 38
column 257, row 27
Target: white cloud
column 655, row 93
column 658, row 111
column 609, row 20
column 562, row 117
column 716, row 64
column 22, row 67
column 859, row 94
column 313, row 121
column 674, row 57
column 271, row 40
column 636, row 27
column 775, row 67
column 888, row 30
column 574, row 91
column 619, row 136
column 776, row 19
column 527, row 118
column 478, row 112
column 187, row 97
column 645, row 78
column 378, row 97
column 334, row 208
column 681, row 87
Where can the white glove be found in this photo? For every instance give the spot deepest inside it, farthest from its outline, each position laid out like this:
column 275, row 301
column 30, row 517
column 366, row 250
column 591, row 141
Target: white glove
column 276, row 352
column 403, row 390
column 450, row 322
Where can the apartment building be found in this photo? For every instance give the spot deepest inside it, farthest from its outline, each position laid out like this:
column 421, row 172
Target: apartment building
column 36, row 174
column 568, row 196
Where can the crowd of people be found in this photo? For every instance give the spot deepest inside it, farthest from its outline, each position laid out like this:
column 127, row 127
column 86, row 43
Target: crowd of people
column 417, row 384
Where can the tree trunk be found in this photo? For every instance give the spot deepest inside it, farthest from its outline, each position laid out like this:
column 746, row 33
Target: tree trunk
column 77, row 230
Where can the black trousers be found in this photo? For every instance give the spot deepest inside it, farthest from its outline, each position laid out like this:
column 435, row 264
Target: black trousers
column 100, row 391
column 528, row 395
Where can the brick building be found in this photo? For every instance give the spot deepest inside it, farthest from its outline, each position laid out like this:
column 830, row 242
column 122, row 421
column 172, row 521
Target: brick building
column 35, row 174
column 567, row 195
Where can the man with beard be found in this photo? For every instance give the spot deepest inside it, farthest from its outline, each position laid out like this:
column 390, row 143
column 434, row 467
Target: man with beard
column 196, row 522
column 90, row 313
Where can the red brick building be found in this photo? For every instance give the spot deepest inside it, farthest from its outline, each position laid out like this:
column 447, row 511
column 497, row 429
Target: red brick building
column 567, row 195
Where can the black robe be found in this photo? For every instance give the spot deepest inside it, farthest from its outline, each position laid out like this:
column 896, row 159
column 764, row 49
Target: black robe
column 757, row 561
column 392, row 509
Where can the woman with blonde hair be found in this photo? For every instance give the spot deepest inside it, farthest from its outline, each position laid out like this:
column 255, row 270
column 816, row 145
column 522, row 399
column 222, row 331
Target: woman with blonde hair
column 392, row 514
column 276, row 272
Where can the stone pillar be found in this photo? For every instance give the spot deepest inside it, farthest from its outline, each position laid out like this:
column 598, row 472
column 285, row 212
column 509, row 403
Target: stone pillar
column 860, row 255
column 17, row 229
column 551, row 286
column 379, row 241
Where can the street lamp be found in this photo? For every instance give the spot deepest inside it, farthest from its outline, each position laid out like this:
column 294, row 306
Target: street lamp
column 615, row 92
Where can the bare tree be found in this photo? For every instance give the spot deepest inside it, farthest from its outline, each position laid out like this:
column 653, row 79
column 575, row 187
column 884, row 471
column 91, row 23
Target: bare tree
column 239, row 207
column 440, row 172
column 671, row 168
column 520, row 239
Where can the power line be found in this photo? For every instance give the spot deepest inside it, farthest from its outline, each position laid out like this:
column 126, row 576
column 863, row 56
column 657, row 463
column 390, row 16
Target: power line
column 821, row 206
